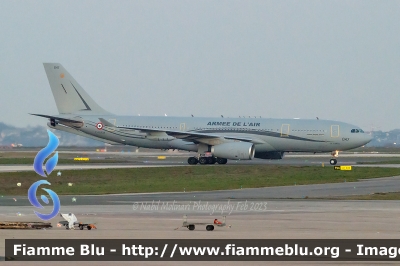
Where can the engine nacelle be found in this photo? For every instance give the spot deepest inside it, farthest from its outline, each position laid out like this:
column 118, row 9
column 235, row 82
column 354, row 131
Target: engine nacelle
column 272, row 155
column 234, row 150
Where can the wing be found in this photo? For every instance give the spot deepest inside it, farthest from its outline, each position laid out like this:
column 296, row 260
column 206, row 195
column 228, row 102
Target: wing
column 196, row 137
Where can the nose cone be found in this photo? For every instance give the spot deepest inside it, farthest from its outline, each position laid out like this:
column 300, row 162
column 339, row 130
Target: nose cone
column 360, row 140
column 367, row 138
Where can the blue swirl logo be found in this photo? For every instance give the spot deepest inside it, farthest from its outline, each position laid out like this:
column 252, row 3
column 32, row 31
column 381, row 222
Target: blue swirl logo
column 38, row 167
column 44, row 153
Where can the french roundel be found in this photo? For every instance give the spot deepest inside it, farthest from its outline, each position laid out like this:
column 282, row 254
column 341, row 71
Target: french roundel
column 99, row 126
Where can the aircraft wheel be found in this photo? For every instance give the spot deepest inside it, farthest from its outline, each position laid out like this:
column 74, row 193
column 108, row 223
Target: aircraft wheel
column 333, row 161
column 89, row 227
column 81, row 227
column 222, row 161
column 203, row 160
column 210, row 227
column 192, row 160
column 191, row 227
column 210, row 160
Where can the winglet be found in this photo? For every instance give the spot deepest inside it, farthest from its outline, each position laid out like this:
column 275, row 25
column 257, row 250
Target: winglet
column 106, row 123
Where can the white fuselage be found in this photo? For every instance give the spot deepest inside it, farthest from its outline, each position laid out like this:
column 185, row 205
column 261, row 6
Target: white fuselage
column 266, row 134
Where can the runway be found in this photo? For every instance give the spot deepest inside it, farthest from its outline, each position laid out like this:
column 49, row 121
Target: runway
column 24, row 168
column 143, row 160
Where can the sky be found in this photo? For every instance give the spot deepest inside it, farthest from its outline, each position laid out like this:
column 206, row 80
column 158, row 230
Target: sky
column 337, row 60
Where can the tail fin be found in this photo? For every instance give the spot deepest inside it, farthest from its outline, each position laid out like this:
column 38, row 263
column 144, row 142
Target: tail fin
column 70, row 97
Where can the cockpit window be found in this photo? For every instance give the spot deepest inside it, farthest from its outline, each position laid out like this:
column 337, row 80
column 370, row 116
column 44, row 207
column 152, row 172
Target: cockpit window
column 353, row 131
column 357, row 131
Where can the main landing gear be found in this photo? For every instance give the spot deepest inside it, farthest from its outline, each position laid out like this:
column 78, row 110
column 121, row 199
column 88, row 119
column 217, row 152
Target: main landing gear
column 334, row 161
column 206, row 160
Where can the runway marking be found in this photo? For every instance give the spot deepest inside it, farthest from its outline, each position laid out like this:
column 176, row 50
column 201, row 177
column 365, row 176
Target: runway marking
column 24, row 168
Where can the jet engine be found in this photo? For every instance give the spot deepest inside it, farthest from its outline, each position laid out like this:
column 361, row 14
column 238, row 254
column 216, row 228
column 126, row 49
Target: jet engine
column 234, row 150
column 272, row 155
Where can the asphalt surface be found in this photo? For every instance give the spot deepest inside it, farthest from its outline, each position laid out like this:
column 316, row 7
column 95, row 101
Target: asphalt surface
column 141, row 160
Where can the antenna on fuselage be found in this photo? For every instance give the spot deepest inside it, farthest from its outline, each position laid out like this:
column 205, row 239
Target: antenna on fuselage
column 222, row 116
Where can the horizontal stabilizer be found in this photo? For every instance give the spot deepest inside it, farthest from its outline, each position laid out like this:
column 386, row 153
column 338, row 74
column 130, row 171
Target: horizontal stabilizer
column 59, row 118
column 106, row 123
column 80, row 133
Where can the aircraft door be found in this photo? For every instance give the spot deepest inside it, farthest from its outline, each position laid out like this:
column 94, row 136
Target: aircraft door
column 285, row 130
column 335, row 131
column 182, row 127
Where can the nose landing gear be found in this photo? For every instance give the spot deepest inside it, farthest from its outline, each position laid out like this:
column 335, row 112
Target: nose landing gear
column 333, row 161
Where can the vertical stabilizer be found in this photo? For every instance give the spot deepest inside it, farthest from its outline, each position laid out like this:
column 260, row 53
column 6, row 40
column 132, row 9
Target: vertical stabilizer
column 70, row 97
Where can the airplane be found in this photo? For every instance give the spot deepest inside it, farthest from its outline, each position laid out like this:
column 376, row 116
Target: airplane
column 215, row 139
